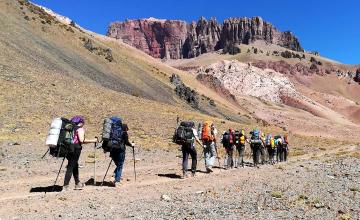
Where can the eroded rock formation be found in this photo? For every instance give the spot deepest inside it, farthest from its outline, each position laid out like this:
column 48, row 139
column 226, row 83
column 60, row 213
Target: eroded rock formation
column 176, row 39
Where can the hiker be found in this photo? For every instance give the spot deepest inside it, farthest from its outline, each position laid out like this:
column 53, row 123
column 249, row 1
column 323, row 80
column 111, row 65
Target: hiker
column 263, row 152
column 228, row 141
column 279, row 148
column 73, row 156
column 118, row 152
column 271, row 148
column 208, row 137
column 256, row 143
column 240, row 139
column 186, row 135
column 286, row 146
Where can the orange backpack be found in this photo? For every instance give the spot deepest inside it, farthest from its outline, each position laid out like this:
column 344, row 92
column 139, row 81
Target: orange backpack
column 206, row 132
column 286, row 139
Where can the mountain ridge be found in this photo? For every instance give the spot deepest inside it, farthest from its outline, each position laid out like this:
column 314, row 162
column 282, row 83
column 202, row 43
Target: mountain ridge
column 177, row 39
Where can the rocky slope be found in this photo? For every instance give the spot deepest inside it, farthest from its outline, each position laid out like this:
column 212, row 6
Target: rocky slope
column 175, row 39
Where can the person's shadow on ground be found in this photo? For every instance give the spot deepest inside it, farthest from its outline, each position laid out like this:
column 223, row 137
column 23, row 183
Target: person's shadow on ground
column 46, row 189
column 90, row 182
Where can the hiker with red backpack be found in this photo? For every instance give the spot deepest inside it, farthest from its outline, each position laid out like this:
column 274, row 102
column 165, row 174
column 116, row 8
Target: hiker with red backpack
column 208, row 137
column 186, row 135
column 228, row 141
column 73, row 155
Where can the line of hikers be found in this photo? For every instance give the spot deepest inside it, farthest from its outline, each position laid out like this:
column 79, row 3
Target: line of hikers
column 268, row 148
column 66, row 138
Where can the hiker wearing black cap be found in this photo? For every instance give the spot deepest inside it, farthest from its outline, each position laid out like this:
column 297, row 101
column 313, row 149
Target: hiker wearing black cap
column 118, row 154
column 73, row 155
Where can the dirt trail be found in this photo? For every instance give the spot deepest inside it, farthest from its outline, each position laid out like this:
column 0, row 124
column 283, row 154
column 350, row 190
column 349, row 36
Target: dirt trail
column 157, row 174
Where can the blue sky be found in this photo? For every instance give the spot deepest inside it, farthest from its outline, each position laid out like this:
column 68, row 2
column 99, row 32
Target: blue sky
column 330, row 27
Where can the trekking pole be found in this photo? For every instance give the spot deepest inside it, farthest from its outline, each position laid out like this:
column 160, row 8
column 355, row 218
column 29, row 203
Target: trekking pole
column 217, row 155
column 134, row 160
column 102, row 183
column 53, row 189
column 234, row 155
column 45, row 153
column 95, row 146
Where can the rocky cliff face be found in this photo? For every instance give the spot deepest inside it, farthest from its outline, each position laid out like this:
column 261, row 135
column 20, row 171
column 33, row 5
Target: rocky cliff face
column 248, row 30
column 158, row 38
column 175, row 39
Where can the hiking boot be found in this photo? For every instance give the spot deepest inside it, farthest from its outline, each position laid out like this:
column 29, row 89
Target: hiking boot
column 65, row 188
column 116, row 184
column 185, row 175
column 79, row 186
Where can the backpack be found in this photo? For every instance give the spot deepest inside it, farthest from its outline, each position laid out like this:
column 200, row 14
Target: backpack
column 206, row 132
column 268, row 140
column 226, row 139
column 184, row 133
column 272, row 143
column 112, row 133
column 255, row 134
column 255, row 137
column 286, row 139
column 66, row 137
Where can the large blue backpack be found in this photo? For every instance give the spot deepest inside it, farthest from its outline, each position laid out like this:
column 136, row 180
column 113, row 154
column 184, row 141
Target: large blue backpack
column 113, row 136
column 255, row 134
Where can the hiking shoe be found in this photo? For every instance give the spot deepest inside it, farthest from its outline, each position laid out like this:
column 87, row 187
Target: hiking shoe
column 79, row 186
column 185, row 175
column 65, row 188
column 116, row 184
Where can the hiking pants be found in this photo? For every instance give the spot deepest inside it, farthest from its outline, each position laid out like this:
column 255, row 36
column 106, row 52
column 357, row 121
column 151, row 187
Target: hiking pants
column 272, row 154
column 230, row 159
column 263, row 154
column 118, row 157
column 72, row 168
column 281, row 153
column 186, row 151
column 286, row 151
column 209, row 154
column 241, row 151
column 256, row 153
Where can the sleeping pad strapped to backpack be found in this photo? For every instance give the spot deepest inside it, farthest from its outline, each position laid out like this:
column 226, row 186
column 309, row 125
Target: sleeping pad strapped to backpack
column 184, row 133
column 112, row 133
column 65, row 143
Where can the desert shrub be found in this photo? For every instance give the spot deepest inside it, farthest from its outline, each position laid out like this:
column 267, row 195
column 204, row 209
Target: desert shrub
column 232, row 49
column 286, row 54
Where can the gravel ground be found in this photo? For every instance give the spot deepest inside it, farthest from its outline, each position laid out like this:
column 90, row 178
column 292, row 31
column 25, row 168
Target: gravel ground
column 303, row 188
